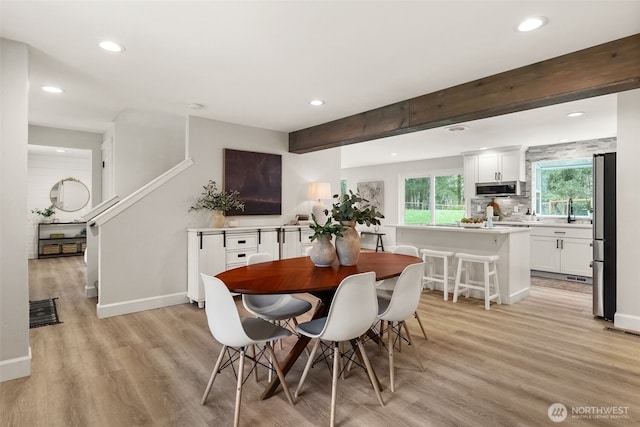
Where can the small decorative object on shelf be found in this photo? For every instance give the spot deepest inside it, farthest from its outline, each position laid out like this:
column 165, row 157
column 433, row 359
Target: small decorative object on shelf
column 218, row 201
column 496, row 209
column 350, row 209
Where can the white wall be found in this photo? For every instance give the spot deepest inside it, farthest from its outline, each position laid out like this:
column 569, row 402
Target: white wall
column 143, row 250
column 145, row 145
column 390, row 174
column 15, row 355
column 54, row 137
column 628, row 205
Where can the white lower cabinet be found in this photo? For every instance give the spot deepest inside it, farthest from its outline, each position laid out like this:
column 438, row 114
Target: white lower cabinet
column 294, row 241
column 214, row 250
column 561, row 250
column 205, row 254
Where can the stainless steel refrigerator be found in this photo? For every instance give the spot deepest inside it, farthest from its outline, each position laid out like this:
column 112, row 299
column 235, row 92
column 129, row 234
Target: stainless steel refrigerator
column 604, row 235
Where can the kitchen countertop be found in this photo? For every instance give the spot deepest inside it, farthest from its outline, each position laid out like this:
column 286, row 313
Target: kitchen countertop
column 541, row 224
column 458, row 229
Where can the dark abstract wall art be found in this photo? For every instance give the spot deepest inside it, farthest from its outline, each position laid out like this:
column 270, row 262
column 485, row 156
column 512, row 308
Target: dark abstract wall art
column 258, row 179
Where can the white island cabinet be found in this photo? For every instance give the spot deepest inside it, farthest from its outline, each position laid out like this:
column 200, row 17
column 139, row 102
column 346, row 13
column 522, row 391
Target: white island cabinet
column 511, row 244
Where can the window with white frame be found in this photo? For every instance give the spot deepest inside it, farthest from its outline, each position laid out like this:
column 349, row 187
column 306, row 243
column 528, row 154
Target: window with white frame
column 557, row 181
column 432, row 199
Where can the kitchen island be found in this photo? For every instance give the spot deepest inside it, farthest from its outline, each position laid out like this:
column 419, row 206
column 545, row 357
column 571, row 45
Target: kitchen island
column 510, row 243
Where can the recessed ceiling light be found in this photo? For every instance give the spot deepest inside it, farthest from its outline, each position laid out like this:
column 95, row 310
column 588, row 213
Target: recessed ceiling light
column 575, row 114
column 563, row 140
column 483, row 148
column 52, row 89
column 316, row 102
column 60, row 150
column 394, row 154
column 195, row 106
column 532, row 23
column 457, row 128
column 111, row 46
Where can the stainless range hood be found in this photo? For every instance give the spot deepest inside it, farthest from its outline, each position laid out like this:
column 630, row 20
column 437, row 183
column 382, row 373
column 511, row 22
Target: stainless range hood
column 499, row 189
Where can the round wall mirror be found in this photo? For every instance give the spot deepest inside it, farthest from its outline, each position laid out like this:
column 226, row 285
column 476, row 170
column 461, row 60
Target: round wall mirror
column 69, row 195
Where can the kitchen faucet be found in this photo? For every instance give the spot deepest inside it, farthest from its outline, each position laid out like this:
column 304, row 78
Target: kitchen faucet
column 570, row 216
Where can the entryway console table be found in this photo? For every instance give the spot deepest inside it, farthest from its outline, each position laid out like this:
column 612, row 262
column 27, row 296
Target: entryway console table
column 56, row 239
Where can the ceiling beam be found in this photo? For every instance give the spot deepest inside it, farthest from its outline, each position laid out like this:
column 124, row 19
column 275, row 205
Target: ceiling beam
column 607, row 68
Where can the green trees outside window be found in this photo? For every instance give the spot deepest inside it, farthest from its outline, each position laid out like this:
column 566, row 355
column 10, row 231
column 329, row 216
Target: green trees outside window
column 559, row 180
column 434, row 199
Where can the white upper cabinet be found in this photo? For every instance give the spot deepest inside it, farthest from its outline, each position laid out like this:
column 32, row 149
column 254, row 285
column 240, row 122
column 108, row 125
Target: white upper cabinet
column 470, row 176
column 507, row 165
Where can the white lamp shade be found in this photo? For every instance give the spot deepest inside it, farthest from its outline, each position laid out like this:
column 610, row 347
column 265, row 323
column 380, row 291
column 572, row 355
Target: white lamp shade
column 319, row 190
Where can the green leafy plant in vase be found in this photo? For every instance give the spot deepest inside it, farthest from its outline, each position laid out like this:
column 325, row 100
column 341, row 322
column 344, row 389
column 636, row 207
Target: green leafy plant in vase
column 323, row 253
column 46, row 214
column 349, row 210
column 217, row 201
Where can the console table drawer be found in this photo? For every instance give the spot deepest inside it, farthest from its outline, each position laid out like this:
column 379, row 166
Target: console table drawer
column 235, row 257
column 241, row 241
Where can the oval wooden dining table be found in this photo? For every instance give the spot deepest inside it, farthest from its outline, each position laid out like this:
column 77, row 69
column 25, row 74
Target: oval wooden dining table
column 300, row 275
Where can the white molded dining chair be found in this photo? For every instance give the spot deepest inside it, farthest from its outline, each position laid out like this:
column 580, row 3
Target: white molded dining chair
column 352, row 312
column 403, row 303
column 234, row 332
column 385, row 287
column 273, row 307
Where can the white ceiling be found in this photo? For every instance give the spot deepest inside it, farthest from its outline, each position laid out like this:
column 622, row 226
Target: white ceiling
column 260, row 63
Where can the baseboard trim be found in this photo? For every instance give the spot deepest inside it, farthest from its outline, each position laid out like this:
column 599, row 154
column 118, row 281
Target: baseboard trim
column 514, row 298
column 134, row 306
column 626, row 322
column 18, row 367
column 90, row 291
column 561, row 276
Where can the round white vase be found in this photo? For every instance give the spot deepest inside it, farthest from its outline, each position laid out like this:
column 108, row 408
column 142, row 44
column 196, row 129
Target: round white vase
column 323, row 254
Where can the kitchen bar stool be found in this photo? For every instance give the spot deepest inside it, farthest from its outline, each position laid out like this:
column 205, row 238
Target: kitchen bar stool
column 490, row 269
column 430, row 277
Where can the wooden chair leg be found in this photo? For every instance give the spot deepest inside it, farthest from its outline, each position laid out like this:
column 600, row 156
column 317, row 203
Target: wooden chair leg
column 372, row 375
column 255, row 362
column 424, row 334
column 279, row 372
column 213, row 375
column 415, row 349
column 236, row 414
column 334, row 383
column 390, row 351
column 306, row 367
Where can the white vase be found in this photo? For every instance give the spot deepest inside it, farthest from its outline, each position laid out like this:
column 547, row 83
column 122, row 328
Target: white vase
column 323, row 254
column 217, row 219
column 348, row 246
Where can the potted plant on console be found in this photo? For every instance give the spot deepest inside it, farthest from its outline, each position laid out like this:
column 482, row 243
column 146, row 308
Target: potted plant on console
column 349, row 210
column 46, row 214
column 218, row 201
column 323, row 253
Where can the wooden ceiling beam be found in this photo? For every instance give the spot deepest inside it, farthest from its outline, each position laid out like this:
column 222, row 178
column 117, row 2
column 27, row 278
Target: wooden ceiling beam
column 599, row 70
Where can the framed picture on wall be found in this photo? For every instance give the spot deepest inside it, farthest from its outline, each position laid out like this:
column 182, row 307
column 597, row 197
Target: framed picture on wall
column 374, row 193
column 258, row 179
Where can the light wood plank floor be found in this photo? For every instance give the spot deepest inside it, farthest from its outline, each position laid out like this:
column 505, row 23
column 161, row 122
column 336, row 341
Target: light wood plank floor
column 504, row 367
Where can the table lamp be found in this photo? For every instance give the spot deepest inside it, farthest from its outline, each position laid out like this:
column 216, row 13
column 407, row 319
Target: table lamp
column 319, row 191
